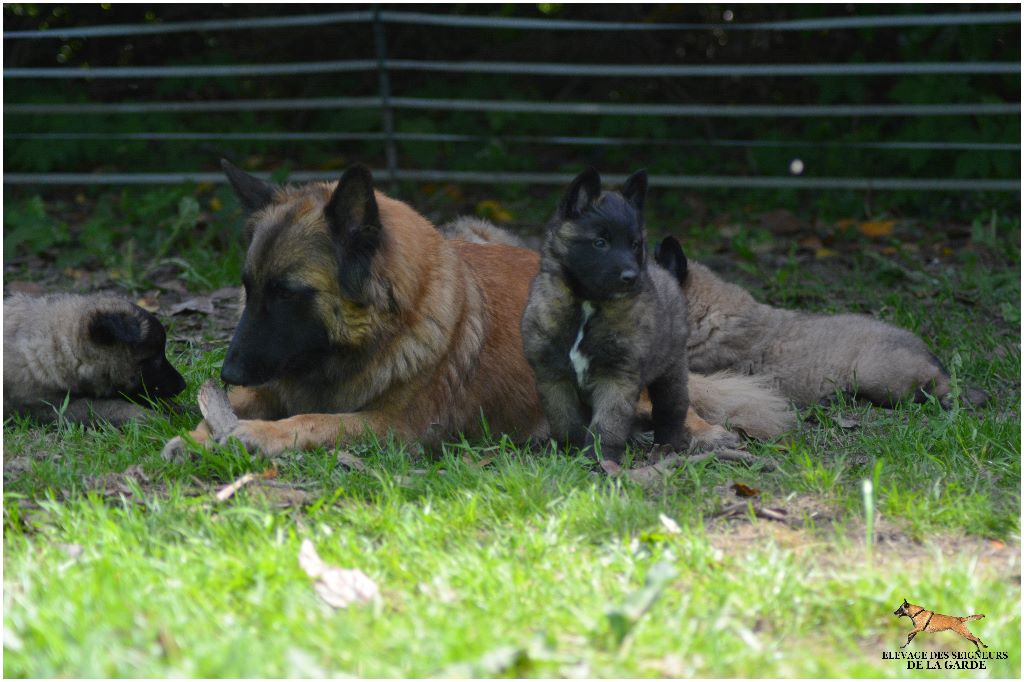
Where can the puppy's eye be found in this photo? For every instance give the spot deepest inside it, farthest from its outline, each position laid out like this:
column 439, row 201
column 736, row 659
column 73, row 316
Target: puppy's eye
column 600, row 244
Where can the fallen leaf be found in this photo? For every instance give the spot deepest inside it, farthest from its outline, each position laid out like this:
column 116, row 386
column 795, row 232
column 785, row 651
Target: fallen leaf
column 610, row 467
column 174, row 285
column 347, row 459
column 669, row 524
column 824, row 253
column 216, row 409
column 876, row 228
column 847, row 422
column 997, row 544
column 478, row 464
column 225, row 292
column 743, row 490
column 622, row 619
column 339, row 587
column 148, row 303
column 200, row 304
column 279, row 494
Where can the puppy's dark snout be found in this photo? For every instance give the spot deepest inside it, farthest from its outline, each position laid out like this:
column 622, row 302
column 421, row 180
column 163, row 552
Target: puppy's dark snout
column 628, row 276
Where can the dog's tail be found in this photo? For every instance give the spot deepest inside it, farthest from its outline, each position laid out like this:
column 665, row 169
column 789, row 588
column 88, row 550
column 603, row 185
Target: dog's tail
column 968, row 619
column 746, row 403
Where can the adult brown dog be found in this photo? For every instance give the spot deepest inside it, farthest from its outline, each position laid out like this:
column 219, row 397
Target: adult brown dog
column 359, row 316
column 929, row 621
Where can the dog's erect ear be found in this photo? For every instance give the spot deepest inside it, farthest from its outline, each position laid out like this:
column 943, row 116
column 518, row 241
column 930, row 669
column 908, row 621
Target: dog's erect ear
column 635, row 190
column 109, row 328
column 352, row 210
column 253, row 193
column 583, row 191
column 670, row 256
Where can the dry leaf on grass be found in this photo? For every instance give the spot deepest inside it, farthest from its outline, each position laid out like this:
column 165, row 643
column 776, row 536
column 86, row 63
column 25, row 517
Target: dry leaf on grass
column 876, row 228
column 339, row 587
column 670, row 525
column 200, row 304
column 347, row 459
column 216, row 409
column 847, row 422
column 743, row 490
column 148, row 303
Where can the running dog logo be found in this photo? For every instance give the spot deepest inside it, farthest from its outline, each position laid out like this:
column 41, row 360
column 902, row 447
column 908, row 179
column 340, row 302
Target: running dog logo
column 929, row 621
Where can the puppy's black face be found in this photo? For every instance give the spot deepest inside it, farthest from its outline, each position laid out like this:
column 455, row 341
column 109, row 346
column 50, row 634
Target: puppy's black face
column 902, row 610
column 604, row 249
column 158, row 377
column 136, row 341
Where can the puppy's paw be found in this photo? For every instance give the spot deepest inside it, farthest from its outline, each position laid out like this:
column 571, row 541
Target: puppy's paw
column 174, row 450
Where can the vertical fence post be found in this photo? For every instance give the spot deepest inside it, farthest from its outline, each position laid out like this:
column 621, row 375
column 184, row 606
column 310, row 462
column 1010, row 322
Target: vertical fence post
column 386, row 112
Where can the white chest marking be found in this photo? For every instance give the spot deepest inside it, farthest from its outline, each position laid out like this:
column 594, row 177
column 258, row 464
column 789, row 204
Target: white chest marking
column 579, row 361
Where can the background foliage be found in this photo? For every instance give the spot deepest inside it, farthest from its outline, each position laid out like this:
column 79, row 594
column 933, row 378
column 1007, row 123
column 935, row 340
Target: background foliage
column 355, row 41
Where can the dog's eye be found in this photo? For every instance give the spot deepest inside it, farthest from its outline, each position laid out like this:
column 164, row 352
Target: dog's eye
column 282, row 291
column 600, row 244
column 636, row 245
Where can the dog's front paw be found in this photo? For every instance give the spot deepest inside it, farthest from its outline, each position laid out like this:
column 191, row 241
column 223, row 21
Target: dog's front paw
column 713, row 437
column 266, row 437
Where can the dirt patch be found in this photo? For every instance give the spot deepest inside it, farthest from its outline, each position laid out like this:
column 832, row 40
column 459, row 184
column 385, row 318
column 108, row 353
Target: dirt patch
column 807, row 529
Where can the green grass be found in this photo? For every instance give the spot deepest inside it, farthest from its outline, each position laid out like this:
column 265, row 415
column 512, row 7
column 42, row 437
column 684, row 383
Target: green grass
column 495, row 561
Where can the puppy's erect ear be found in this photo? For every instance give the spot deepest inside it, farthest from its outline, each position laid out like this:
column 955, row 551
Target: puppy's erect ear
column 253, row 193
column 582, row 192
column 670, row 256
column 110, row 328
column 635, row 190
column 352, row 210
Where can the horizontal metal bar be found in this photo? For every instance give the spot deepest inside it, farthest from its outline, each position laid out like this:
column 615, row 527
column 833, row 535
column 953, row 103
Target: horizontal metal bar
column 527, row 139
column 174, row 107
column 524, row 68
column 531, row 23
column 110, row 30
column 197, row 70
column 675, row 181
column 577, row 108
column 879, row 21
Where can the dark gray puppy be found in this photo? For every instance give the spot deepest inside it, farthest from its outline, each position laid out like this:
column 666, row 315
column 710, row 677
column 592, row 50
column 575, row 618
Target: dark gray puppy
column 603, row 323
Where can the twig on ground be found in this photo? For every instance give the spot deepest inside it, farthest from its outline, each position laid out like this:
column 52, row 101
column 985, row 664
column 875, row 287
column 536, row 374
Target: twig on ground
column 232, row 488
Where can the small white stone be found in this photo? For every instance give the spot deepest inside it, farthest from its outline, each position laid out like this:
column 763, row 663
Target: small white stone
column 796, row 166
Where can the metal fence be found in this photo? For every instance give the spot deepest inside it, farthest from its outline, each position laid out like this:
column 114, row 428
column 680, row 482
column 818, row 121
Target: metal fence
column 389, row 103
